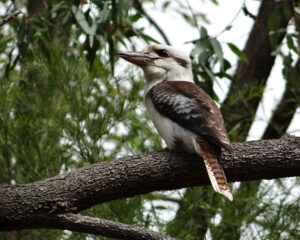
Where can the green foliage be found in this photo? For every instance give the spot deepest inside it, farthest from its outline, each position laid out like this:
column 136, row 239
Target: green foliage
column 207, row 55
column 194, row 215
column 59, row 112
column 63, row 106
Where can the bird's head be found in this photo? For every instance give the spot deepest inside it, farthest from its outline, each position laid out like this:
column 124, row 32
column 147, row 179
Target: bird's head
column 161, row 62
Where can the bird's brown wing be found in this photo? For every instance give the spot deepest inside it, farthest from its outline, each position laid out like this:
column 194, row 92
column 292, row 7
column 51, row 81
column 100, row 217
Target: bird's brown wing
column 190, row 107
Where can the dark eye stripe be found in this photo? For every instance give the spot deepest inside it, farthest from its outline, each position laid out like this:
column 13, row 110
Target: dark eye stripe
column 181, row 62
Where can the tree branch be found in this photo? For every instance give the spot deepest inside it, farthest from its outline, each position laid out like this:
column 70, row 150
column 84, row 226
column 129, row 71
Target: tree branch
column 96, row 226
column 24, row 206
column 10, row 17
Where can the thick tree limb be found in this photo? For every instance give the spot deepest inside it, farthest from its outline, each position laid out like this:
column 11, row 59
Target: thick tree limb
column 30, row 205
column 96, row 226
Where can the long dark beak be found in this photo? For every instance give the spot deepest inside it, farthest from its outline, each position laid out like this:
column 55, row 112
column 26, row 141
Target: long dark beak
column 138, row 58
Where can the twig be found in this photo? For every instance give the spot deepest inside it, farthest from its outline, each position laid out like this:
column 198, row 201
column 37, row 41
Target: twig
column 151, row 20
column 158, row 28
column 232, row 20
column 156, row 196
column 194, row 17
column 10, row 17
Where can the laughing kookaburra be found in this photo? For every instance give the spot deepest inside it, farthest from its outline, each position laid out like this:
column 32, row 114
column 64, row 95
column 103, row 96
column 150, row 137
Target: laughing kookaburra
column 183, row 114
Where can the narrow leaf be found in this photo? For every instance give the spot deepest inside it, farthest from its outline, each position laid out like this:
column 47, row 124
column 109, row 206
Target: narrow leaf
column 203, row 32
column 78, row 14
column 291, row 44
column 218, row 50
column 238, row 52
column 147, row 38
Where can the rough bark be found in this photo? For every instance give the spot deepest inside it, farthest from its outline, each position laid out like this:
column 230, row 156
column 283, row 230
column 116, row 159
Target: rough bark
column 33, row 204
column 95, row 226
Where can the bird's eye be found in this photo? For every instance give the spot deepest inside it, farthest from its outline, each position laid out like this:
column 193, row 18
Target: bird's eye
column 162, row 52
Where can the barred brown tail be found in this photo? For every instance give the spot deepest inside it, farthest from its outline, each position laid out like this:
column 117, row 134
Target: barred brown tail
column 214, row 169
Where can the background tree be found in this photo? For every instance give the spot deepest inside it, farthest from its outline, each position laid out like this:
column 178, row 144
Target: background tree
column 63, row 107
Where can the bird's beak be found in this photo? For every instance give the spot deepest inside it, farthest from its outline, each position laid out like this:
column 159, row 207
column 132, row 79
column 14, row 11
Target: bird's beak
column 138, row 58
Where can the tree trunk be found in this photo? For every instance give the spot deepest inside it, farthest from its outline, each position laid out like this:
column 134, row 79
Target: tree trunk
column 245, row 93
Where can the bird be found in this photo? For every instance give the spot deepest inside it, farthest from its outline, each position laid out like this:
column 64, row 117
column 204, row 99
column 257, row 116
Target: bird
column 184, row 115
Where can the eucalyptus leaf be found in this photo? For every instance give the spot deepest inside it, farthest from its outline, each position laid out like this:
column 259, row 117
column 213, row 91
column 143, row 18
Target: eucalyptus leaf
column 149, row 39
column 238, row 52
column 291, row 44
column 81, row 20
column 218, row 50
column 203, row 32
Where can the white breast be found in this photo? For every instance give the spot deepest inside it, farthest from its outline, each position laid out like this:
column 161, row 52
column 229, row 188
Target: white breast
column 171, row 131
